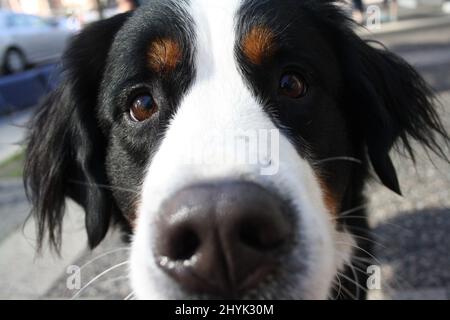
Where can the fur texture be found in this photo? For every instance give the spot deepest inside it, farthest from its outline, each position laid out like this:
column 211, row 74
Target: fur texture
column 360, row 102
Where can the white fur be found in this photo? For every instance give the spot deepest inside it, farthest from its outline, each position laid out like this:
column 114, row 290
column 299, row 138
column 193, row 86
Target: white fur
column 220, row 100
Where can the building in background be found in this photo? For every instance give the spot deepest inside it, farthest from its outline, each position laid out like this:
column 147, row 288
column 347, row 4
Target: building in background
column 127, row 5
column 41, row 7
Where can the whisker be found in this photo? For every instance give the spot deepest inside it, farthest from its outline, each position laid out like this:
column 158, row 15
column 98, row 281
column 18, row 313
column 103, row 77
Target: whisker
column 363, row 260
column 364, row 230
column 351, row 217
column 340, row 287
column 354, row 282
column 361, row 249
column 116, row 279
column 103, row 255
column 385, row 223
column 352, row 267
column 130, row 296
column 363, row 263
column 369, row 240
column 399, row 280
column 360, row 263
column 343, row 213
column 351, row 159
column 98, row 277
column 351, row 295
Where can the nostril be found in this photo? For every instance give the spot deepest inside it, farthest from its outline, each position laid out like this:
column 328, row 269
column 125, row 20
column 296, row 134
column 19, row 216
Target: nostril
column 223, row 238
column 184, row 244
column 260, row 235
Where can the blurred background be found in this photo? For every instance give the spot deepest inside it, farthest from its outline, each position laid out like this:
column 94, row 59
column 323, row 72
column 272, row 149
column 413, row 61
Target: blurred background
column 412, row 233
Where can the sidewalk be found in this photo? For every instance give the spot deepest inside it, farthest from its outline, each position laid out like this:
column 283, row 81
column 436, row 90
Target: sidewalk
column 12, row 133
column 26, row 275
column 23, row 274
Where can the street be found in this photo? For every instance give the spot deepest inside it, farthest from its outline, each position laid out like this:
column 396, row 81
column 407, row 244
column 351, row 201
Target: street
column 412, row 233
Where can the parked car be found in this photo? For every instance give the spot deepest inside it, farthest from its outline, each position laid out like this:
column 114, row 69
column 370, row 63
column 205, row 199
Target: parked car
column 26, row 40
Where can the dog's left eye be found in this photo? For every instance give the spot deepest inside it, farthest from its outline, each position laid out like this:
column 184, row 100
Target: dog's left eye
column 142, row 108
column 292, row 85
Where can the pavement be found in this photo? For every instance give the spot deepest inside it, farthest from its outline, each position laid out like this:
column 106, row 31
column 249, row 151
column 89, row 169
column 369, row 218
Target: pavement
column 412, row 233
column 12, row 133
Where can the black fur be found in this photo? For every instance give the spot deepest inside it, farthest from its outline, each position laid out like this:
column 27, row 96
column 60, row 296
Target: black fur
column 362, row 101
column 66, row 149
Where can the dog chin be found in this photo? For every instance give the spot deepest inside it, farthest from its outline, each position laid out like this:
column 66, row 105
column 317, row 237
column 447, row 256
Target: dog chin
column 294, row 280
column 289, row 288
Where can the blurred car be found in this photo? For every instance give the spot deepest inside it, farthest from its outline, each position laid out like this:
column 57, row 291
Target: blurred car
column 26, row 40
column 427, row 5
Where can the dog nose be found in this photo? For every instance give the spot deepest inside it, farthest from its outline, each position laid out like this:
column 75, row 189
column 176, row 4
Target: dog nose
column 223, row 238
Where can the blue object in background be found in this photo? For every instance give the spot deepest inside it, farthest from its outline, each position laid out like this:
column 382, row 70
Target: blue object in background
column 26, row 89
column 2, row 101
column 50, row 77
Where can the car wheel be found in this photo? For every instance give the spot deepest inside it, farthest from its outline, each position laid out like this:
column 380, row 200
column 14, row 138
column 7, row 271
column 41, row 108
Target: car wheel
column 14, row 61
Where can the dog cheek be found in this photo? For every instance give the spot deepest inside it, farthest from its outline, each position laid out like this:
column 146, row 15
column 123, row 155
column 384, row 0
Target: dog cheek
column 345, row 244
column 132, row 214
column 329, row 197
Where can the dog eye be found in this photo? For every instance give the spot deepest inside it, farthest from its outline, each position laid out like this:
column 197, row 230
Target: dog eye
column 292, row 86
column 142, row 108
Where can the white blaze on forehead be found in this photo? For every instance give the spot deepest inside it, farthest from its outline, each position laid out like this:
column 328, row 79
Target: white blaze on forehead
column 220, row 101
column 219, row 92
column 217, row 103
column 215, row 33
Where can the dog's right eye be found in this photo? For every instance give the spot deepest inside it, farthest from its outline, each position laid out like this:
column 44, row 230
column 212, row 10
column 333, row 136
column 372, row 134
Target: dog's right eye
column 142, row 108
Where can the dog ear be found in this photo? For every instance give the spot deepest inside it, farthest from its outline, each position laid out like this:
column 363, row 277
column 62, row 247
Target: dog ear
column 392, row 103
column 65, row 153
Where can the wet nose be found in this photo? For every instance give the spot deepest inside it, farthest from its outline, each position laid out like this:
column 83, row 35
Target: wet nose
column 222, row 238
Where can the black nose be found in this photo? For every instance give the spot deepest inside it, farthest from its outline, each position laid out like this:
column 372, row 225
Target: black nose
column 223, row 238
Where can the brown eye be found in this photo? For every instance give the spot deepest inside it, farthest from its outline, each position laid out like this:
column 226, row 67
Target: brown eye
column 143, row 107
column 292, row 86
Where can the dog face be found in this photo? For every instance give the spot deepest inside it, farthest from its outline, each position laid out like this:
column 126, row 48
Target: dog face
column 229, row 139
column 232, row 77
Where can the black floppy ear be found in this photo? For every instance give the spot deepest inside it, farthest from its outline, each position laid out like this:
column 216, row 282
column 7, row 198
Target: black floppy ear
column 392, row 103
column 65, row 153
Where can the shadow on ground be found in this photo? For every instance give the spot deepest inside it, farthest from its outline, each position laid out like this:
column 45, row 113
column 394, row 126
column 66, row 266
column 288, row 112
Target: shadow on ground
column 414, row 249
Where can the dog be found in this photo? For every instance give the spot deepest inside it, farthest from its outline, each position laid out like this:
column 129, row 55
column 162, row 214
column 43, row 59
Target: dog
column 143, row 92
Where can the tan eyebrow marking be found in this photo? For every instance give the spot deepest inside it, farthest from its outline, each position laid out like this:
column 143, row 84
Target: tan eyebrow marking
column 164, row 55
column 258, row 44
